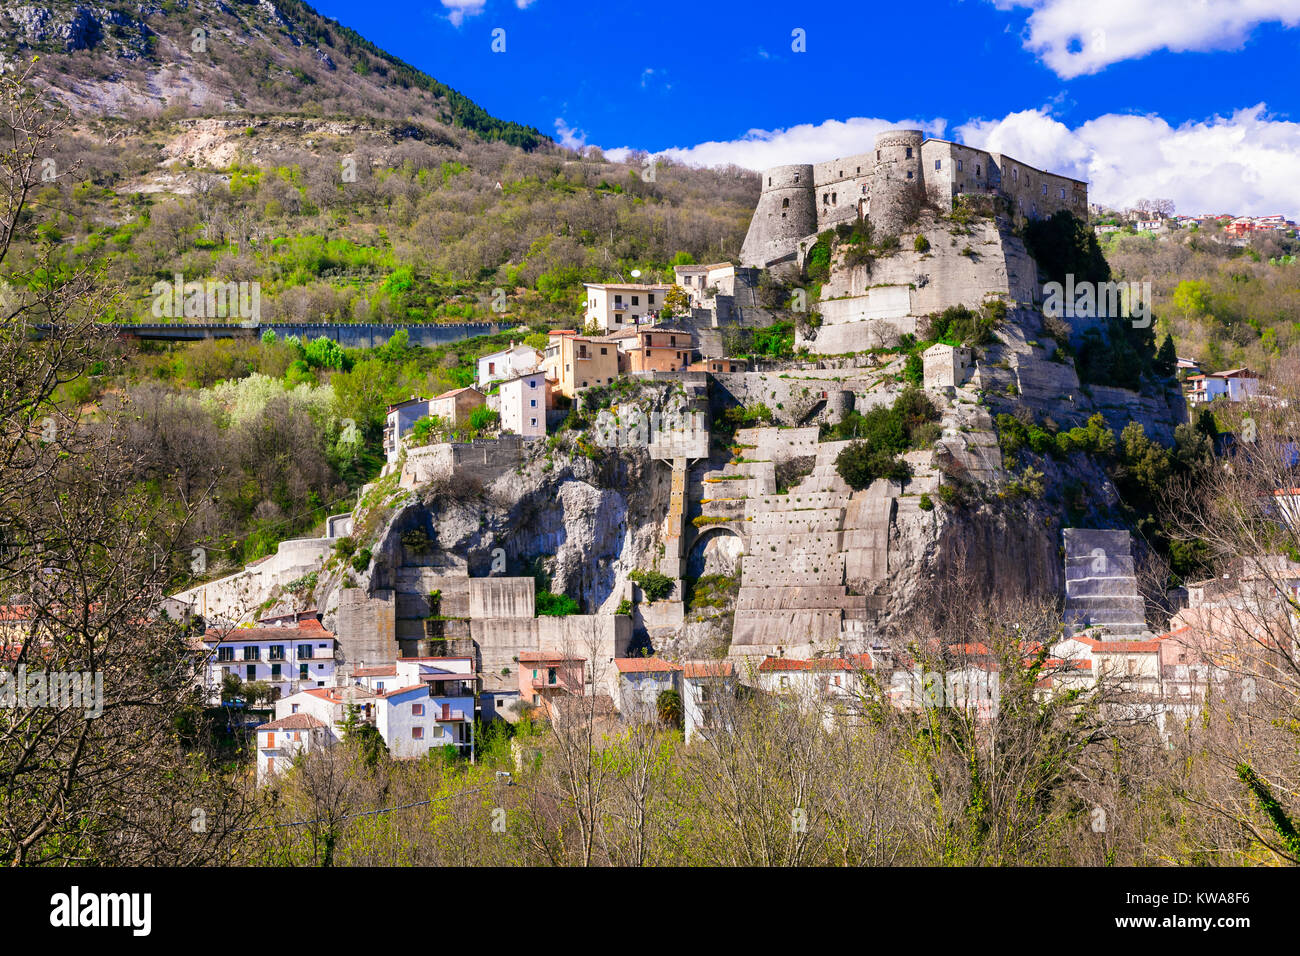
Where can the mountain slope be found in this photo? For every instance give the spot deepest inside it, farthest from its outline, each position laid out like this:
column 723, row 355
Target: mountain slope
column 217, row 57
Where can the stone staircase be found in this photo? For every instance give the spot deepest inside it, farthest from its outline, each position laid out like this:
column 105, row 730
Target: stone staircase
column 1101, row 593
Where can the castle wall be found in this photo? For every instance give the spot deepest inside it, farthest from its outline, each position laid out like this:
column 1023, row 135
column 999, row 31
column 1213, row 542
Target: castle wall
column 797, row 202
column 785, row 213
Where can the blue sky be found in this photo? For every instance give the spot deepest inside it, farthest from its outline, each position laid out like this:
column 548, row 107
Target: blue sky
column 1196, row 100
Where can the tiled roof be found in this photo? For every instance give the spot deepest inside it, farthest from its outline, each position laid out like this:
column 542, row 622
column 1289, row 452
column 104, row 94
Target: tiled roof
column 539, row 657
column 294, row 722
column 644, row 665
column 707, row 668
column 404, row 690
column 858, row 662
column 308, row 630
column 386, row 670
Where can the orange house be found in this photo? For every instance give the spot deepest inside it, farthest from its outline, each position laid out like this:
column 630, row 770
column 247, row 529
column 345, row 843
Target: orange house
column 661, row 350
column 545, row 677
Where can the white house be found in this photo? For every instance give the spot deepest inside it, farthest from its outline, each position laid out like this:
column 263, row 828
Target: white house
column 522, row 402
column 613, row 306
column 284, row 738
column 329, row 705
column 833, row 684
column 1235, row 384
column 399, row 421
column 705, row 686
column 291, row 653
column 509, row 362
column 412, row 721
column 640, row 682
column 703, row 283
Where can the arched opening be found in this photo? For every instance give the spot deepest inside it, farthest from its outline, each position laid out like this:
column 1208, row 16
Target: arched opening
column 716, row 551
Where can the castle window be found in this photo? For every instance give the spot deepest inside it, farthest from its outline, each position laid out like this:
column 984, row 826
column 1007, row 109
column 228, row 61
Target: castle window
column 796, row 178
column 938, row 164
column 826, row 199
column 909, row 153
column 834, row 199
column 769, row 180
column 977, row 169
column 959, row 165
column 1044, row 189
column 1062, row 192
column 909, row 174
column 782, row 215
column 1015, row 174
column 841, row 176
column 877, row 155
column 859, row 170
column 785, row 203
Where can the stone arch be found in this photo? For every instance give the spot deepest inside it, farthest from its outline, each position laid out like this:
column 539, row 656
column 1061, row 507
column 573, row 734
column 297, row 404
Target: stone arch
column 717, row 550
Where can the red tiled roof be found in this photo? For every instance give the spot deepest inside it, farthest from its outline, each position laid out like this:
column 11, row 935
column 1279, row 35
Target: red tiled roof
column 858, row 662
column 308, row 630
column 294, row 722
column 709, row 668
column 644, row 665
column 1120, row 647
column 389, row 670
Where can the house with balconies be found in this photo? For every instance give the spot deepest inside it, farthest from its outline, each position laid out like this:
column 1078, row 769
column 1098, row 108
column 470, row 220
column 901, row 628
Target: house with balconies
column 292, row 653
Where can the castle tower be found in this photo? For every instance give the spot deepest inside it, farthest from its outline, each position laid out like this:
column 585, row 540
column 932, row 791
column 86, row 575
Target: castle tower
column 897, row 182
column 786, row 213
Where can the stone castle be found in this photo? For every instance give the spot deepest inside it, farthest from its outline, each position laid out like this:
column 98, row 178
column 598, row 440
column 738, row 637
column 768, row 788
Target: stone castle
column 887, row 184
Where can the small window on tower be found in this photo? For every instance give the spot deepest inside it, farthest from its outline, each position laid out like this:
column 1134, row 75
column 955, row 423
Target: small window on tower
column 938, row 164
column 785, row 203
column 909, row 153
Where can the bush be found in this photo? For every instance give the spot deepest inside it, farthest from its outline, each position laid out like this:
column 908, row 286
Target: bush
column 555, row 605
column 925, row 504
column 921, row 244
column 624, row 607
column 483, row 419
column 361, row 560
column 860, row 464
column 654, row 586
column 914, row 370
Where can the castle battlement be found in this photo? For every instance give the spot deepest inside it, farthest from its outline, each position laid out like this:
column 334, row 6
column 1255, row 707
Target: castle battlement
column 798, row 201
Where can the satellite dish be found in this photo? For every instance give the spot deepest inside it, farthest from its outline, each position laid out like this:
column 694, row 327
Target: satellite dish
column 636, row 273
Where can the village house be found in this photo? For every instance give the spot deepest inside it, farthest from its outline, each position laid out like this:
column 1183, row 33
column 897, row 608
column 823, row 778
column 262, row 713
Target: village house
column 705, row 282
column 413, row 721
column 579, row 361
column 401, row 417
column 834, row 685
column 330, row 705
column 659, row 349
column 706, row 686
column 506, row 364
column 640, row 682
column 283, row 739
column 719, row 366
column 291, row 653
column 546, row 677
column 454, row 407
column 1235, row 384
column 522, row 402
column 946, row 366
column 613, row 306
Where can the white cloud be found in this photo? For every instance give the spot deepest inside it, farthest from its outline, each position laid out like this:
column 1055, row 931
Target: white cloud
column 1246, row 163
column 1075, row 37
column 460, row 9
column 806, row 143
column 524, row 4
column 569, row 137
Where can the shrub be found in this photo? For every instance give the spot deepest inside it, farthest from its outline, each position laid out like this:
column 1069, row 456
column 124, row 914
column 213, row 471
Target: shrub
column 555, row 605
column 925, row 504
column 859, row 464
column 361, row 560
column 914, row 370
column 624, row 607
column 921, row 244
column 654, row 586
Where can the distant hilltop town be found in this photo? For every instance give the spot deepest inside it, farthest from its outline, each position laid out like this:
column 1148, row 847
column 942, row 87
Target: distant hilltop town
column 887, row 184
